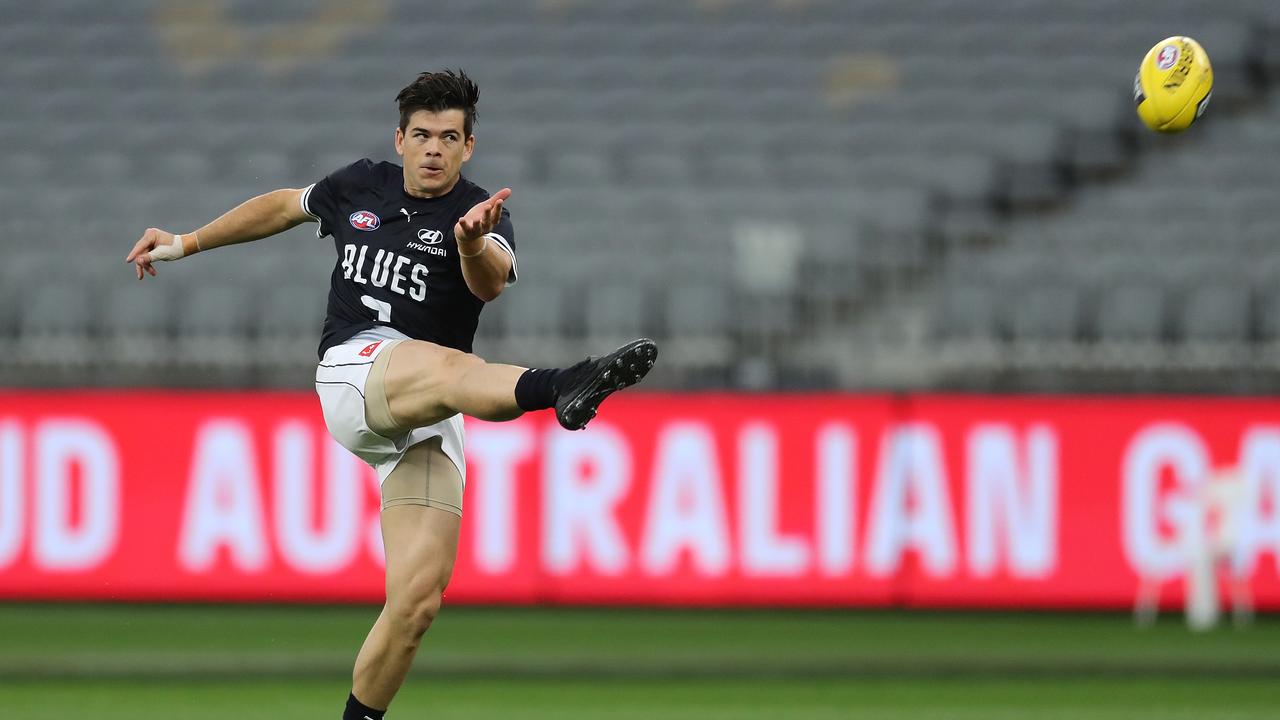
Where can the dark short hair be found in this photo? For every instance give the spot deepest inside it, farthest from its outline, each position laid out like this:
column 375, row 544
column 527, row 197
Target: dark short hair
column 437, row 92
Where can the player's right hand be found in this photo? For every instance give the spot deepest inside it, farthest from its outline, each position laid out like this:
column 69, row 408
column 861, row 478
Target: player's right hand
column 155, row 245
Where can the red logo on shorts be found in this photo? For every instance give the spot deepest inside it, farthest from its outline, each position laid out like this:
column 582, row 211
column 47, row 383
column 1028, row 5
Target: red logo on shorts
column 368, row 349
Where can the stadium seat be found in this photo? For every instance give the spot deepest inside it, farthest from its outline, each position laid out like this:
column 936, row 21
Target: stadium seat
column 211, row 331
column 1268, row 313
column 737, row 167
column 584, row 167
column 287, row 332
column 261, row 169
column 1045, row 311
column 54, row 331
column 1216, row 313
column 656, row 166
column 695, row 316
column 535, row 309
column 56, row 310
column 615, row 313
column 1133, row 311
column 290, row 312
column 966, row 312
column 135, row 323
column 495, row 168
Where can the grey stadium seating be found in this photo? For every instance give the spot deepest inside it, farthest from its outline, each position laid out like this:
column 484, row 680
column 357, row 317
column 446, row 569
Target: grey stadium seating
column 744, row 180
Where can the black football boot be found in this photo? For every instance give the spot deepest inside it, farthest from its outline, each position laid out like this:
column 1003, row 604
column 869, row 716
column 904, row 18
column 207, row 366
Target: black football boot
column 595, row 378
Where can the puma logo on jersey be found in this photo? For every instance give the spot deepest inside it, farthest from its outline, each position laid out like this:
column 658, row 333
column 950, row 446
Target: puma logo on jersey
column 408, row 215
column 387, row 270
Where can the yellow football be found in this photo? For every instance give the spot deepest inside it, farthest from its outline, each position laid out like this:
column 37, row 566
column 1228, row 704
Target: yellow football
column 1173, row 85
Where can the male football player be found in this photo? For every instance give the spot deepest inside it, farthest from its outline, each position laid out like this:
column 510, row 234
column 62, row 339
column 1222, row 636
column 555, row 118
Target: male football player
column 420, row 251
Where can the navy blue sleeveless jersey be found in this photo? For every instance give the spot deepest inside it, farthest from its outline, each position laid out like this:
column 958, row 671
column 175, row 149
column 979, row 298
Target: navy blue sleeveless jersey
column 398, row 262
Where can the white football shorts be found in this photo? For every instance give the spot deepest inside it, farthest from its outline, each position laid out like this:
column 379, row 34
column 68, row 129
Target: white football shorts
column 340, row 383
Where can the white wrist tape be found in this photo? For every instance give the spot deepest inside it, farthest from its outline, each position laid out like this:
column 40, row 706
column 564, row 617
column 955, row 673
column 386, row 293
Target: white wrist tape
column 172, row 251
column 477, row 253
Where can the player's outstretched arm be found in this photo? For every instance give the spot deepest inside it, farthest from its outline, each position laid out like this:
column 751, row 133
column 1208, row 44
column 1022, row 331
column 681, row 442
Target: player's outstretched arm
column 484, row 267
column 253, row 219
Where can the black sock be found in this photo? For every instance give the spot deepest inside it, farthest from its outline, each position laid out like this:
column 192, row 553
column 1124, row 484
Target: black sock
column 359, row 711
column 537, row 389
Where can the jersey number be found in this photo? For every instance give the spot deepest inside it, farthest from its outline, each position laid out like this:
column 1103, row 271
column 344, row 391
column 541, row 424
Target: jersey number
column 382, row 308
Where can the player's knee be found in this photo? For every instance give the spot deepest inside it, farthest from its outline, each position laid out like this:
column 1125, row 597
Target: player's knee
column 416, row 608
column 421, row 614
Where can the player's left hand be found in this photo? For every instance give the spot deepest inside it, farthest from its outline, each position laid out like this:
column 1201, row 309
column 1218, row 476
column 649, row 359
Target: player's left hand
column 481, row 219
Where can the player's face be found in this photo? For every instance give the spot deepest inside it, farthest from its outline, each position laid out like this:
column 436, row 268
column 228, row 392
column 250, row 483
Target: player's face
column 433, row 146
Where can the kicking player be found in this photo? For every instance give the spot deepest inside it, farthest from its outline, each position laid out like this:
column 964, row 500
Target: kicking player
column 420, row 251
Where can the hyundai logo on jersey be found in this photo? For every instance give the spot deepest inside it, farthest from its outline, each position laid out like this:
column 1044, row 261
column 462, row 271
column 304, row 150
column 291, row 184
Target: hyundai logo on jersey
column 364, row 220
column 430, row 237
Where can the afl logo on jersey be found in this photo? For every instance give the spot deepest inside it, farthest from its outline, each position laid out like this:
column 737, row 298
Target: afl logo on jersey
column 364, row 220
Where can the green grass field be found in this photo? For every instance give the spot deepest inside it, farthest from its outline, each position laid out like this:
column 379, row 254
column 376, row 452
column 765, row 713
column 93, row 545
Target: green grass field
column 131, row 661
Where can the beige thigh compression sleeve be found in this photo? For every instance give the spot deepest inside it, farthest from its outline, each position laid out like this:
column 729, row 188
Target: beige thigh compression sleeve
column 377, row 409
column 425, row 475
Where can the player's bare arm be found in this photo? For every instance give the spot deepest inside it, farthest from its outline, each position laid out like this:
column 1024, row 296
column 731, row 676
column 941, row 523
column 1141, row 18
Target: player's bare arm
column 484, row 266
column 254, row 219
